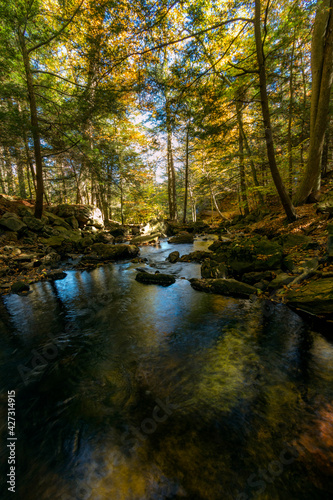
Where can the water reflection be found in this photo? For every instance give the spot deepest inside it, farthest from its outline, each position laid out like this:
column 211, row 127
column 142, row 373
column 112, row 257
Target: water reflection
column 126, row 391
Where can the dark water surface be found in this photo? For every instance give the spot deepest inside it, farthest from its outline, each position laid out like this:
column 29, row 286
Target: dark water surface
column 132, row 392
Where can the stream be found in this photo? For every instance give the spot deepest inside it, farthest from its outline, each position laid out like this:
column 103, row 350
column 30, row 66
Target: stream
column 126, row 391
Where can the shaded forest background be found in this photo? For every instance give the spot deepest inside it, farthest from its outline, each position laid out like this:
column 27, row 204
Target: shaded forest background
column 148, row 109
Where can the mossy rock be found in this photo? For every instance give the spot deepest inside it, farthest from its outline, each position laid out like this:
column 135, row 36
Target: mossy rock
column 53, row 241
column 145, row 238
column 281, row 280
column 315, row 297
column 197, row 256
column 155, row 279
column 252, row 254
column 73, row 222
column 227, row 287
column 71, row 237
column 255, row 277
column 12, row 222
column 33, row 224
column 182, row 237
column 115, row 252
column 289, row 241
column 213, row 269
column 173, row 257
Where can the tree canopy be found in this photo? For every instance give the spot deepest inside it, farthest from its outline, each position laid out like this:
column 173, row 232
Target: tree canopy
column 164, row 108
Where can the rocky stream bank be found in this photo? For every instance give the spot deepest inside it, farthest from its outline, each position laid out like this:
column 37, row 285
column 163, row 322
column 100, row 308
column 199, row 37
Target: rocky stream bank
column 259, row 255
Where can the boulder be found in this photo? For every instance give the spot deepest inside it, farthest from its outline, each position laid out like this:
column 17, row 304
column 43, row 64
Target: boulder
column 25, row 211
column 255, row 277
column 173, row 227
column 227, row 287
column 197, row 256
column 93, row 214
column 114, row 252
column 10, row 250
column 325, row 206
column 84, row 214
column 65, row 211
column 70, row 237
column 219, row 244
column 86, row 242
column 139, row 260
column 50, row 258
column 19, row 287
column 25, row 257
column 104, row 237
column 61, row 223
column 12, row 222
column 155, row 279
column 33, row 224
column 145, row 238
column 154, row 226
column 212, row 269
column 292, row 240
column 182, row 237
column 252, row 254
column 315, row 297
column 56, row 275
column 281, row 280
column 73, row 222
column 173, row 257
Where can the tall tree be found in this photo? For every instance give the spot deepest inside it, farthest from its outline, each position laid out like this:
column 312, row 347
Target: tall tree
column 322, row 78
column 283, row 194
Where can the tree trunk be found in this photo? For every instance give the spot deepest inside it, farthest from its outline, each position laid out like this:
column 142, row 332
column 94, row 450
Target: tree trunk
column 186, row 173
column 302, row 135
column 290, row 118
column 121, row 201
column 34, row 129
column 9, row 172
column 109, row 192
column 193, row 204
column 243, row 195
column 252, row 165
column 20, row 175
column 324, row 157
column 2, row 184
column 171, row 168
column 284, row 197
column 322, row 76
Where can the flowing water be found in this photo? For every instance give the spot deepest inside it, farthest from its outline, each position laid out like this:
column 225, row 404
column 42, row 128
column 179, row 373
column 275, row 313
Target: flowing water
column 127, row 391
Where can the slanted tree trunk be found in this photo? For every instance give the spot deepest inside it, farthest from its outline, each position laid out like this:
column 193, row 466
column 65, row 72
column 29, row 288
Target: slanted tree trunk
column 34, row 128
column 283, row 194
column 322, row 77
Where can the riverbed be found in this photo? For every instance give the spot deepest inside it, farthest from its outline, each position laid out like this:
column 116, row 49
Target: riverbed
column 126, row 391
